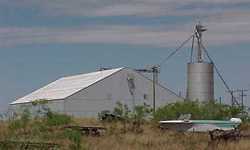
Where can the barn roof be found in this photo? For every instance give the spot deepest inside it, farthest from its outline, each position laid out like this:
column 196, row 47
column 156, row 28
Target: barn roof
column 66, row 86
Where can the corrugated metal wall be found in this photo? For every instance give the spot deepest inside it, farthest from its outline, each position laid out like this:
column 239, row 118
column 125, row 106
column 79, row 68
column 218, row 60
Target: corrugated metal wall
column 105, row 94
column 125, row 86
column 55, row 105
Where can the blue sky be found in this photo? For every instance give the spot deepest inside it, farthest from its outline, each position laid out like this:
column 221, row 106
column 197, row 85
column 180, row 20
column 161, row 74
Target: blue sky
column 42, row 40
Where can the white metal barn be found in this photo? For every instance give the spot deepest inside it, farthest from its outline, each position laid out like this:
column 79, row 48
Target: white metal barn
column 88, row 94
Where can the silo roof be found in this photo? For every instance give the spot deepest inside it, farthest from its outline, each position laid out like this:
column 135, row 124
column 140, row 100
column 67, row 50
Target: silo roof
column 66, row 86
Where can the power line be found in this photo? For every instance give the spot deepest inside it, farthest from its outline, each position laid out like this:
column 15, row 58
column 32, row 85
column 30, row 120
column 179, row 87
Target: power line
column 155, row 70
column 192, row 50
column 175, row 51
column 234, row 101
column 241, row 95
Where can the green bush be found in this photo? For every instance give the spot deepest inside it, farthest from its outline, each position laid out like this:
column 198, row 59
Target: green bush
column 121, row 110
column 56, row 119
column 174, row 110
column 205, row 110
column 15, row 125
column 141, row 113
column 211, row 110
column 138, row 116
column 75, row 137
column 21, row 121
column 132, row 119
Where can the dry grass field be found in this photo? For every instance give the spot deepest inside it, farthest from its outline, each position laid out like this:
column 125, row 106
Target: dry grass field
column 161, row 141
column 152, row 138
column 115, row 138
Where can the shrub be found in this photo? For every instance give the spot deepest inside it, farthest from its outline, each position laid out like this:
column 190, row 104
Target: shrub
column 205, row 110
column 132, row 120
column 56, row 119
column 141, row 112
column 121, row 110
column 212, row 110
column 75, row 137
column 15, row 124
column 174, row 110
column 20, row 122
column 138, row 116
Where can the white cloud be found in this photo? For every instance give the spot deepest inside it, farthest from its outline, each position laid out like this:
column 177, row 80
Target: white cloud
column 229, row 28
column 124, row 7
column 226, row 24
column 107, row 34
column 219, row 33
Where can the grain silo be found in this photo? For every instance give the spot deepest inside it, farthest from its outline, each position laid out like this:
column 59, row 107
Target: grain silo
column 200, row 74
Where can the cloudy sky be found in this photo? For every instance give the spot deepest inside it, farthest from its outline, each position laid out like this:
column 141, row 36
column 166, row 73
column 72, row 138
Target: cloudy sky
column 42, row 40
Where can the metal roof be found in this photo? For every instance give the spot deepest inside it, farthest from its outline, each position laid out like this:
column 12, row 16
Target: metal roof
column 66, row 86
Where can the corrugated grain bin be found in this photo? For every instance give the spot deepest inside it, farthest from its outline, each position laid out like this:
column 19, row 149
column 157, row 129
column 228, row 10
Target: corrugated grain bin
column 200, row 81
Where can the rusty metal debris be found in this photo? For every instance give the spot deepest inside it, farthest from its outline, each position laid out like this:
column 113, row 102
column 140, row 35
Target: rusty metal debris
column 218, row 134
column 88, row 130
column 27, row 145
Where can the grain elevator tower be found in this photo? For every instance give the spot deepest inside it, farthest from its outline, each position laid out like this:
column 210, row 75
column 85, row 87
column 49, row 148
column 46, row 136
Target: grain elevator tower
column 200, row 73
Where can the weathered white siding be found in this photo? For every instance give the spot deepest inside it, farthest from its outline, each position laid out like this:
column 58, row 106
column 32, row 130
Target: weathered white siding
column 55, row 105
column 104, row 94
column 95, row 92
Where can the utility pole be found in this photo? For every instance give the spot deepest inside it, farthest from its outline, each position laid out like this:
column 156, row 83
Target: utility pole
column 155, row 70
column 233, row 98
column 220, row 99
column 241, row 94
